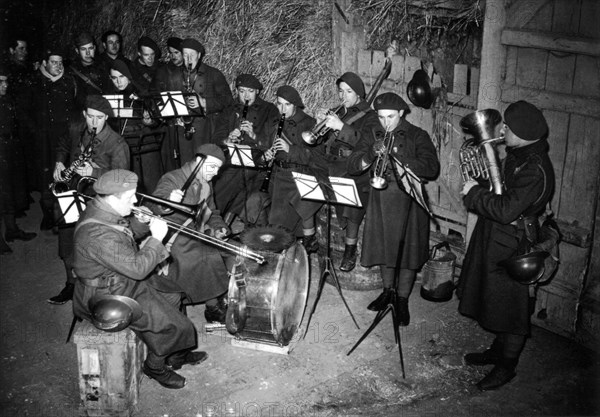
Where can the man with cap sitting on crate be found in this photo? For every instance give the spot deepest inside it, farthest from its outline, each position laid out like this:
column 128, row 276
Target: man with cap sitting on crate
column 507, row 222
column 109, row 262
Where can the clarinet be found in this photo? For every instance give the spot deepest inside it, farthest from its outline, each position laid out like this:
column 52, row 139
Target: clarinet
column 265, row 184
column 67, row 174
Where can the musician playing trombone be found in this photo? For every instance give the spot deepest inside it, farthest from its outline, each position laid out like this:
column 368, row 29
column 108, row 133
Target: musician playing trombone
column 396, row 233
column 195, row 269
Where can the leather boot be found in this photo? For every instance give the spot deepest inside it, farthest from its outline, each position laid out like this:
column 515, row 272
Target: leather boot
column 19, row 234
column 215, row 313
column 500, row 375
column 65, row 295
column 490, row 356
column 381, row 302
column 185, row 357
column 349, row 258
column 164, row 376
column 402, row 312
column 310, row 243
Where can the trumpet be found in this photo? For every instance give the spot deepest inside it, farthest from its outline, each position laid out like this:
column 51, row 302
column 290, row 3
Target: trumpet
column 68, row 174
column 318, row 132
column 378, row 180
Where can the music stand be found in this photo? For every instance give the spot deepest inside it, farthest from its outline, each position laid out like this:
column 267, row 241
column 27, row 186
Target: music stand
column 71, row 205
column 339, row 191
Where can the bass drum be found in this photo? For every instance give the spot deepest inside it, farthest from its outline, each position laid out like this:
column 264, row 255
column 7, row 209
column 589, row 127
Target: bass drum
column 267, row 302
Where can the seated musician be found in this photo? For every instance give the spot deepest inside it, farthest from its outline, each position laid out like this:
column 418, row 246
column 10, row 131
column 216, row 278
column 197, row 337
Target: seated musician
column 396, row 234
column 237, row 189
column 108, row 151
column 353, row 120
column 105, row 229
column 292, row 154
column 197, row 269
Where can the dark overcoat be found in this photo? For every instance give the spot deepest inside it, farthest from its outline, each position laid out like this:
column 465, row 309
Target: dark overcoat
column 108, row 261
column 487, row 293
column 195, row 268
column 396, row 232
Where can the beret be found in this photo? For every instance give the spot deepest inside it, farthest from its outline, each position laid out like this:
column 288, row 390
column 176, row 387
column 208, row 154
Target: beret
column 390, row 101
column 116, row 181
column 210, row 149
column 354, row 81
column 175, row 42
column 119, row 65
column 526, row 121
column 249, row 81
column 100, row 104
column 290, row 94
column 149, row 43
column 191, row 43
column 83, row 39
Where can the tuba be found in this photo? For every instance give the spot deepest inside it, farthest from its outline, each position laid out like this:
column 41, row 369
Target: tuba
column 478, row 155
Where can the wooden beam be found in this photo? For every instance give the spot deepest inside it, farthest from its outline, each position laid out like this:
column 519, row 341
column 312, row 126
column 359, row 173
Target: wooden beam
column 567, row 103
column 519, row 13
column 551, row 42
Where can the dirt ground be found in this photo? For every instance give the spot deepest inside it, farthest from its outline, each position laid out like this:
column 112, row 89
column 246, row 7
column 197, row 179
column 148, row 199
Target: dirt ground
column 318, row 378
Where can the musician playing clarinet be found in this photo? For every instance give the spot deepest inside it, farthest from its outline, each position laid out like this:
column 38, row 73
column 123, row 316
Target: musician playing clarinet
column 196, row 269
column 237, row 189
column 396, row 234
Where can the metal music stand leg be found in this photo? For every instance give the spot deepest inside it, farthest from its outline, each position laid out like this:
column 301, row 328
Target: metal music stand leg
column 380, row 315
column 328, row 269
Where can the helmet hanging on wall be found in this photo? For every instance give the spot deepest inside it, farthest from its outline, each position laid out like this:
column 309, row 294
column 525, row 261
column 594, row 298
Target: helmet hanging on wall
column 113, row 313
column 526, row 269
column 420, row 90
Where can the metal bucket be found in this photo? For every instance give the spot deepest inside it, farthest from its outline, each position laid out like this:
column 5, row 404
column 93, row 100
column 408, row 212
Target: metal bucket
column 438, row 284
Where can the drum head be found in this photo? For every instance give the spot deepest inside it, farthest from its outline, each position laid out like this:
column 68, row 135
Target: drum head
column 267, row 238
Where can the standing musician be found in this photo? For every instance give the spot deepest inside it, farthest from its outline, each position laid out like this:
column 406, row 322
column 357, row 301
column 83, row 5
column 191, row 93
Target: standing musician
column 237, row 189
column 109, row 151
column 396, row 234
column 108, row 262
column 196, row 269
column 209, row 95
column 487, row 293
column 144, row 67
column 353, row 120
column 290, row 153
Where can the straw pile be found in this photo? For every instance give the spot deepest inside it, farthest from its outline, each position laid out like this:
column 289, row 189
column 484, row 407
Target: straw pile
column 280, row 41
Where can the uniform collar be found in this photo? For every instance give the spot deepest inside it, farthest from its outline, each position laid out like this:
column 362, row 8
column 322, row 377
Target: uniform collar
column 540, row 146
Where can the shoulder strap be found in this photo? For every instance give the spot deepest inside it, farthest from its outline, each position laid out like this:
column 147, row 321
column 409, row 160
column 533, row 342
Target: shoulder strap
column 86, row 79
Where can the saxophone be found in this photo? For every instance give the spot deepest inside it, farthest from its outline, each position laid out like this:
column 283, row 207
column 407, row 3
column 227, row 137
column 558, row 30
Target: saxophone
column 189, row 88
column 68, row 174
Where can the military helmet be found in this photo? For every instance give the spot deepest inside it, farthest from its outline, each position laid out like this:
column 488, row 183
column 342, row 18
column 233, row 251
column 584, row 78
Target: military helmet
column 113, row 313
column 526, row 269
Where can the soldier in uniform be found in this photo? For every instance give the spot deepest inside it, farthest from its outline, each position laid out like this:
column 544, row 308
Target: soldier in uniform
column 143, row 68
column 89, row 75
column 112, row 42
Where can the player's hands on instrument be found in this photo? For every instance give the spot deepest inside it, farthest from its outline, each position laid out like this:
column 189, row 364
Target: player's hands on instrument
column 234, row 136
column 176, row 196
column 192, row 102
column 221, row 233
column 85, row 170
column 467, row 186
column 269, row 154
column 59, row 167
column 143, row 217
column 158, row 228
column 146, row 119
column 332, row 121
column 248, row 128
column 379, row 147
column 280, row 145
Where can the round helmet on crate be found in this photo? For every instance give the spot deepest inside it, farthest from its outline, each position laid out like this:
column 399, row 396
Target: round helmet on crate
column 113, row 313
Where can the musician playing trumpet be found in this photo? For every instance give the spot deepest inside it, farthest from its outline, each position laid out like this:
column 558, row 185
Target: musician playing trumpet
column 396, row 233
column 196, row 269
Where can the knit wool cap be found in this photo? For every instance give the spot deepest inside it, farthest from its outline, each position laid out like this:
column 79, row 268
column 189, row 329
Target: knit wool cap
column 100, row 104
column 191, row 43
column 210, row 149
column 526, row 121
column 122, row 67
column 290, row 94
column 175, row 43
column 116, row 181
column 248, row 81
column 83, row 39
column 149, row 43
column 354, row 81
column 390, row 101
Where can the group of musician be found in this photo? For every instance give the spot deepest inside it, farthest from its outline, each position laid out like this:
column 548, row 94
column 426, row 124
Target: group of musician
column 76, row 131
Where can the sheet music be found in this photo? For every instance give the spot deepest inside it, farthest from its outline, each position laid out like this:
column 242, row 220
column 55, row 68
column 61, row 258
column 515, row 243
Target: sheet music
column 117, row 103
column 412, row 184
column 344, row 189
column 173, row 104
column 308, row 186
column 68, row 205
column 241, row 155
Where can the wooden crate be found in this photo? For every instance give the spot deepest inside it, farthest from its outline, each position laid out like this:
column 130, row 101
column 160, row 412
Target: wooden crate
column 110, row 370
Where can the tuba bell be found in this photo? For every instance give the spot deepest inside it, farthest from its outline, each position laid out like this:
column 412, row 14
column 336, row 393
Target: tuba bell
column 478, row 155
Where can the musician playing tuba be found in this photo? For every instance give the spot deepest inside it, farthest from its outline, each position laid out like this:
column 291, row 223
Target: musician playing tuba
column 195, row 269
column 507, row 226
column 396, row 233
